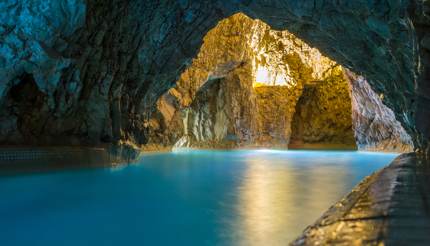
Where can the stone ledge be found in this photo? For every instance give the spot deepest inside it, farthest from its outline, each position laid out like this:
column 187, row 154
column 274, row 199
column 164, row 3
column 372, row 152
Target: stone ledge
column 389, row 207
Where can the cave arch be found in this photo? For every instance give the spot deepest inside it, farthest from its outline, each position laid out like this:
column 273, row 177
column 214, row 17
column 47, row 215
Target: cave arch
column 133, row 51
column 249, row 83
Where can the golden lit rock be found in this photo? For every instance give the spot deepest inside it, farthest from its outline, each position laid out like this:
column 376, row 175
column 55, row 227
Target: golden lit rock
column 243, row 89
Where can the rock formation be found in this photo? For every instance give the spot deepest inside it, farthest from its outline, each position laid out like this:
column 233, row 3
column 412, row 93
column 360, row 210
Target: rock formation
column 375, row 125
column 100, row 66
column 247, row 79
column 243, row 90
column 323, row 113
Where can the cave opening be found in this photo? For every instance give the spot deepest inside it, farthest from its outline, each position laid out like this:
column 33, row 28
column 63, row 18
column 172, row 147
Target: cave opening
column 251, row 86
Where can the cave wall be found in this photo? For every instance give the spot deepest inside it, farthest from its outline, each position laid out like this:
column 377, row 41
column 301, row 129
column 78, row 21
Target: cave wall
column 259, row 112
column 323, row 114
column 420, row 15
column 274, row 112
column 256, row 113
column 376, row 39
column 221, row 115
column 375, row 125
column 103, row 64
column 343, row 111
column 33, row 35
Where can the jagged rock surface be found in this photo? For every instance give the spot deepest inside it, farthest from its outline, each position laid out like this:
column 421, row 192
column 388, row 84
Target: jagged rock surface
column 33, row 35
column 238, row 52
column 323, row 114
column 221, row 114
column 375, row 125
column 231, row 112
column 108, row 62
column 275, row 110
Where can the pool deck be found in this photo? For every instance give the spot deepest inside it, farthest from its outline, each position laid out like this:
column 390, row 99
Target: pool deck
column 390, row 207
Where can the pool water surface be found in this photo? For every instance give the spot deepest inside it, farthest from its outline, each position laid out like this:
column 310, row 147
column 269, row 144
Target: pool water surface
column 253, row 197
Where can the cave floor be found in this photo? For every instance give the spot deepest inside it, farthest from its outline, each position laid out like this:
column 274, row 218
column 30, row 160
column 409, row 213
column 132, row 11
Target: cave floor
column 389, row 207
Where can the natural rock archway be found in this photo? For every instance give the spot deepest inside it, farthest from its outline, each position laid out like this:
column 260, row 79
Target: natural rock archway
column 102, row 65
column 247, row 83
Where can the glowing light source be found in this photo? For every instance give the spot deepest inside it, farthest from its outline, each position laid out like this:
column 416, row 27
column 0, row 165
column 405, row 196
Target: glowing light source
column 262, row 75
column 269, row 77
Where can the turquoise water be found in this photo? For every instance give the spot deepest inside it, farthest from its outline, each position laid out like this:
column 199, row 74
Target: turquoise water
column 190, row 198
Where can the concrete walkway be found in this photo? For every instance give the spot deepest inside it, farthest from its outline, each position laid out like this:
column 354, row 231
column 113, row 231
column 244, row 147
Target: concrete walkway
column 390, row 207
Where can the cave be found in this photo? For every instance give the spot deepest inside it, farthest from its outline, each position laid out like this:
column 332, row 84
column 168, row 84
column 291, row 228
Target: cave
column 237, row 122
column 268, row 88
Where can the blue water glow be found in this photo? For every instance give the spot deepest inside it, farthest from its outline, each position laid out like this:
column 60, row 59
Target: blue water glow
column 264, row 197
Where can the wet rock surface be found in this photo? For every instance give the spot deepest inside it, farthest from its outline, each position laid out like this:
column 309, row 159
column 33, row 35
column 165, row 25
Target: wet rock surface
column 103, row 64
column 389, row 207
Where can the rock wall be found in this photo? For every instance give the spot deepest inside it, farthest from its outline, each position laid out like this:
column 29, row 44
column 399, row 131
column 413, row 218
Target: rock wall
column 262, row 73
column 376, row 39
column 246, row 97
column 375, row 125
column 275, row 110
column 221, row 115
column 102, row 65
column 33, row 37
column 323, row 114
column 420, row 16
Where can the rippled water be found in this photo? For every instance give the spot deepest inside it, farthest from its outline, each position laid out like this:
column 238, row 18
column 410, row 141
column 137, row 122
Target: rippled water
column 191, row 198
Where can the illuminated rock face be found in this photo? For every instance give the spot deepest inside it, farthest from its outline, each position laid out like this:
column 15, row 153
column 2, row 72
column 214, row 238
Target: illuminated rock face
column 250, row 77
column 245, row 88
column 323, row 114
column 274, row 115
column 102, row 65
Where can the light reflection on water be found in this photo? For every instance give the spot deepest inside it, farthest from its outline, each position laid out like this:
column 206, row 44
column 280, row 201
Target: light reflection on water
column 195, row 198
column 273, row 200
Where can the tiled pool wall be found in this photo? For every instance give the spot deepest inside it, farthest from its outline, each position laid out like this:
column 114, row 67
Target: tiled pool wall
column 61, row 156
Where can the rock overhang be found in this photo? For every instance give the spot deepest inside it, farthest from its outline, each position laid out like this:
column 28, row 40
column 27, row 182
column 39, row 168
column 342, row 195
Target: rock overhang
column 382, row 40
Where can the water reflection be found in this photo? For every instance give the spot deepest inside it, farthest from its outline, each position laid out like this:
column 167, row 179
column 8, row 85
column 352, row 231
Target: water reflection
column 195, row 198
column 277, row 194
column 265, row 195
